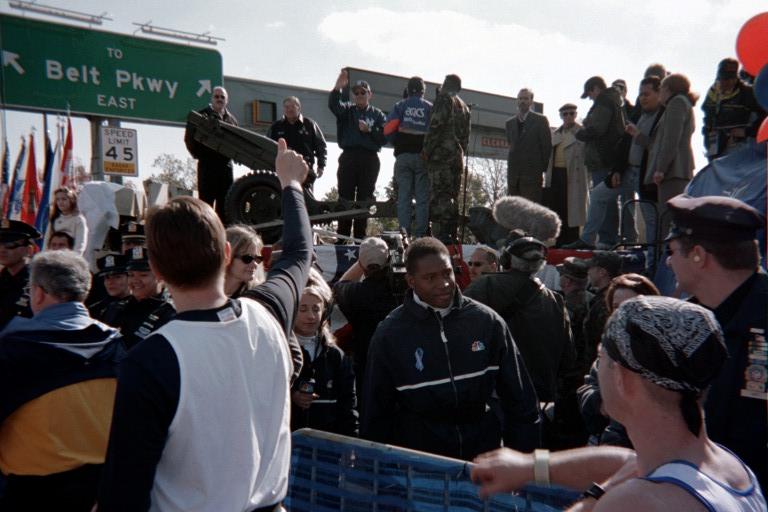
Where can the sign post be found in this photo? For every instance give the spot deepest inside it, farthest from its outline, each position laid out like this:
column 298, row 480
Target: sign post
column 119, row 151
column 53, row 67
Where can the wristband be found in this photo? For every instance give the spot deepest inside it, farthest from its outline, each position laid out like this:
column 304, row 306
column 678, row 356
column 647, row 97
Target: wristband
column 541, row 467
column 594, row 491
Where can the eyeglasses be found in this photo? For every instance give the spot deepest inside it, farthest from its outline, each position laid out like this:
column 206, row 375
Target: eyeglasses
column 247, row 258
column 567, row 114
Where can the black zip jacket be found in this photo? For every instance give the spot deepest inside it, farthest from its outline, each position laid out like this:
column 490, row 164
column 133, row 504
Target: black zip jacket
column 334, row 383
column 453, row 386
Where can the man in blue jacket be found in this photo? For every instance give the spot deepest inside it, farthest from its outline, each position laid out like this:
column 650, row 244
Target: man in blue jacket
column 407, row 124
column 444, row 375
column 360, row 134
column 57, row 387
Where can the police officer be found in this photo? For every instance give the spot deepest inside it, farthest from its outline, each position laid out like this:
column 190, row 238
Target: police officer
column 132, row 235
column 715, row 257
column 115, row 277
column 16, row 247
column 147, row 308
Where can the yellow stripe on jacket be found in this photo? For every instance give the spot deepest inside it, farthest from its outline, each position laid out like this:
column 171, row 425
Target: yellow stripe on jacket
column 59, row 431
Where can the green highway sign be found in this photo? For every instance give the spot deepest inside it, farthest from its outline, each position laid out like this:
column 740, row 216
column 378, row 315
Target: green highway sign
column 53, row 67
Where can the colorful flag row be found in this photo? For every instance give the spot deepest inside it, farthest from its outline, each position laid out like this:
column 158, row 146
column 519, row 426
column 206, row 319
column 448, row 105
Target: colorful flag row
column 22, row 196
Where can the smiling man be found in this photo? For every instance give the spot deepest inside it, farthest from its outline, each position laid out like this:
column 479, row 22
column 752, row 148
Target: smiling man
column 443, row 374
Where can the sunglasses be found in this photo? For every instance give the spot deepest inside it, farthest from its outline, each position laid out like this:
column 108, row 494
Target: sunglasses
column 247, row 258
column 475, row 263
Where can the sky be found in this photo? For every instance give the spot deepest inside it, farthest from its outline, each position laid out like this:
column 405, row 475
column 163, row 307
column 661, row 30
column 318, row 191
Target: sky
column 549, row 46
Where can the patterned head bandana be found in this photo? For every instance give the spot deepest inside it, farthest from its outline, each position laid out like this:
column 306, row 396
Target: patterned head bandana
column 674, row 344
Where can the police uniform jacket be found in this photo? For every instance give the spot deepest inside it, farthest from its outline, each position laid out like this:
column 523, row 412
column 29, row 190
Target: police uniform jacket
column 14, row 296
column 136, row 319
column 334, row 383
column 452, row 385
column 735, row 405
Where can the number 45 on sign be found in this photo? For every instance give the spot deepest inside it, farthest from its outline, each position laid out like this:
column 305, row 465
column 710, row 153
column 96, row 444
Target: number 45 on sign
column 119, row 151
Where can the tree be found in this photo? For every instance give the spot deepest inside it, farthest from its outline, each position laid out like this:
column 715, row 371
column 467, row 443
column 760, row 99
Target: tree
column 176, row 172
column 492, row 175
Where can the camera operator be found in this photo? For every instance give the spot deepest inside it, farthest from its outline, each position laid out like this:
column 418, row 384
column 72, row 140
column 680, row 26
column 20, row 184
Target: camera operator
column 366, row 296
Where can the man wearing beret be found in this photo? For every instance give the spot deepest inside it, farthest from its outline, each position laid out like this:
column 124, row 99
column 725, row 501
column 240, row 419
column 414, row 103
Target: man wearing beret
column 602, row 267
column 715, row 257
column 573, row 285
column 16, row 247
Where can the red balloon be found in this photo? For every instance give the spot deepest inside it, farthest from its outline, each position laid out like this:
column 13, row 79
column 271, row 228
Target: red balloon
column 752, row 44
column 762, row 133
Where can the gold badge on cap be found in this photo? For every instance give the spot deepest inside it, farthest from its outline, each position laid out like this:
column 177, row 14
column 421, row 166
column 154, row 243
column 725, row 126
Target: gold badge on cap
column 6, row 224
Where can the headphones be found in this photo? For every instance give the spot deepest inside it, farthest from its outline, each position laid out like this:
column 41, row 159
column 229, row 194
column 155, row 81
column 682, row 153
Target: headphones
column 518, row 247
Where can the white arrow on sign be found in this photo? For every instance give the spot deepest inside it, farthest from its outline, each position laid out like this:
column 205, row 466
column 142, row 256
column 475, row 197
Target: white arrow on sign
column 205, row 86
column 10, row 58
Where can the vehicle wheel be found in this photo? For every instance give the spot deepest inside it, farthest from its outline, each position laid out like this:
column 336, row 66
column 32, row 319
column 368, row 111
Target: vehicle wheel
column 255, row 199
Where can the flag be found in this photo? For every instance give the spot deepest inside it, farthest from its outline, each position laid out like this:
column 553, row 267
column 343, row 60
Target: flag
column 30, row 200
column 67, row 171
column 5, row 179
column 41, row 222
column 334, row 260
column 13, row 205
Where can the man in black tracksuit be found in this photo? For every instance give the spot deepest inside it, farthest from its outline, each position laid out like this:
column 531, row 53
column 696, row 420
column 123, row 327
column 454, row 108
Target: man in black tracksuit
column 444, row 375
column 302, row 135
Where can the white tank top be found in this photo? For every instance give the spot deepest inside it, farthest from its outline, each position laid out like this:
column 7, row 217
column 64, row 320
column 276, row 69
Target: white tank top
column 229, row 444
column 715, row 496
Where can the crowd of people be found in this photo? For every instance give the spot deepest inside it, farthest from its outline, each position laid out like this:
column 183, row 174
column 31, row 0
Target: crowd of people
column 172, row 378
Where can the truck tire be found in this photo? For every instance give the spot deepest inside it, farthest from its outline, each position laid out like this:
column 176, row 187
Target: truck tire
column 254, row 199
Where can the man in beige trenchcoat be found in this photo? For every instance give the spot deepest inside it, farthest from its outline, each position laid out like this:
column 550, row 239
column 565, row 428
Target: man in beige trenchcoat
column 566, row 177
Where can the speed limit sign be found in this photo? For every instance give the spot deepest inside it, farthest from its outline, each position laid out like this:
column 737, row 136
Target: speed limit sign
column 119, row 151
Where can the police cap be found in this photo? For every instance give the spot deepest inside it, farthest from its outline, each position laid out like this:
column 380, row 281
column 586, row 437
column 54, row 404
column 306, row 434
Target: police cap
column 137, row 259
column 111, row 264
column 713, row 218
column 132, row 230
column 16, row 230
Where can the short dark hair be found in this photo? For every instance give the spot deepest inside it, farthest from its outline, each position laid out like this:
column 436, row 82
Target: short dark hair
column 739, row 255
column 653, row 81
column 453, row 82
column 186, row 242
column 639, row 284
column 656, row 69
column 63, row 234
column 421, row 248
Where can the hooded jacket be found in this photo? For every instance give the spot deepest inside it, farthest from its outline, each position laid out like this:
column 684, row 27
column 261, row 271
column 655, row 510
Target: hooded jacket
column 603, row 131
